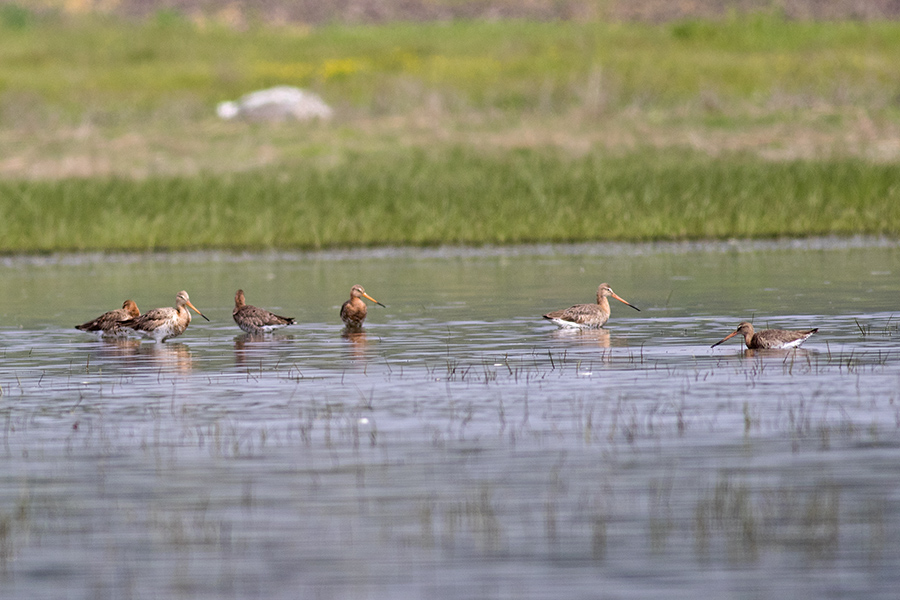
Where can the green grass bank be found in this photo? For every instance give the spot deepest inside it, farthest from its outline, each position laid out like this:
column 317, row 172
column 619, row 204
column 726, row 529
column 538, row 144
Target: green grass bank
column 463, row 132
column 456, row 196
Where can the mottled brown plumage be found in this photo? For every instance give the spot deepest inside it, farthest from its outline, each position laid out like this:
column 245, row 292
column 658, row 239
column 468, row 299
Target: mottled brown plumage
column 256, row 320
column 588, row 316
column 108, row 324
column 768, row 338
column 353, row 311
column 161, row 324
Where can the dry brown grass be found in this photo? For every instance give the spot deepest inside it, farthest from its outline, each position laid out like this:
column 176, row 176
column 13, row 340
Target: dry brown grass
column 208, row 145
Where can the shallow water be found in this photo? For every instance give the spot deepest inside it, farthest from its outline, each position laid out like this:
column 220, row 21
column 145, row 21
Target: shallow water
column 462, row 446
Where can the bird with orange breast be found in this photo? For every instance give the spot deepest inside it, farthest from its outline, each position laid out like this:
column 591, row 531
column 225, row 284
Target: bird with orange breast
column 109, row 323
column 768, row 339
column 588, row 316
column 256, row 320
column 353, row 311
column 161, row 324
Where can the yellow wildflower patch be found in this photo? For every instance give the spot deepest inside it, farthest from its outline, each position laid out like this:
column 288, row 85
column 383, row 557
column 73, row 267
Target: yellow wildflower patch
column 340, row 67
column 293, row 72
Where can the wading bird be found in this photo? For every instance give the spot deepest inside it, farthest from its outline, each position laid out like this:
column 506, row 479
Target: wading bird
column 588, row 316
column 161, row 324
column 256, row 320
column 768, row 338
column 108, row 324
column 353, row 311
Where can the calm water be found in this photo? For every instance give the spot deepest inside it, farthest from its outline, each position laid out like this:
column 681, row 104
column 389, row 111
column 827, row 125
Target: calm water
column 461, row 447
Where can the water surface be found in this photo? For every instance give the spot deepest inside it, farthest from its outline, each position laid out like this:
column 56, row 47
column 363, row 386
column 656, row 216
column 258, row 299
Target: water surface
column 461, row 446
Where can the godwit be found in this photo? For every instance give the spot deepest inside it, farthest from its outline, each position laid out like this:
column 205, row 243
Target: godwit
column 588, row 316
column 161, row 324
column 108, row 324
column 256, row 320
column 353, row 311
column 768, row 338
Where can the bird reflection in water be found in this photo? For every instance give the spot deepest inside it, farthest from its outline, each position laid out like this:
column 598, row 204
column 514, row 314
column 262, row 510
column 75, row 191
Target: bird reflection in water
column 358, row 341
column 783, row 353
column 246, row 342
column 586, row 337
column 174, row 357
column 119, row 347
column 167, row 357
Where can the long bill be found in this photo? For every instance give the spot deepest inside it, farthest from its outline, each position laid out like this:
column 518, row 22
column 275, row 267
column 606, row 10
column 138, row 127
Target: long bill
column 623, row 301
column 726, row 338
column 188, row 302
column 373, row 299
